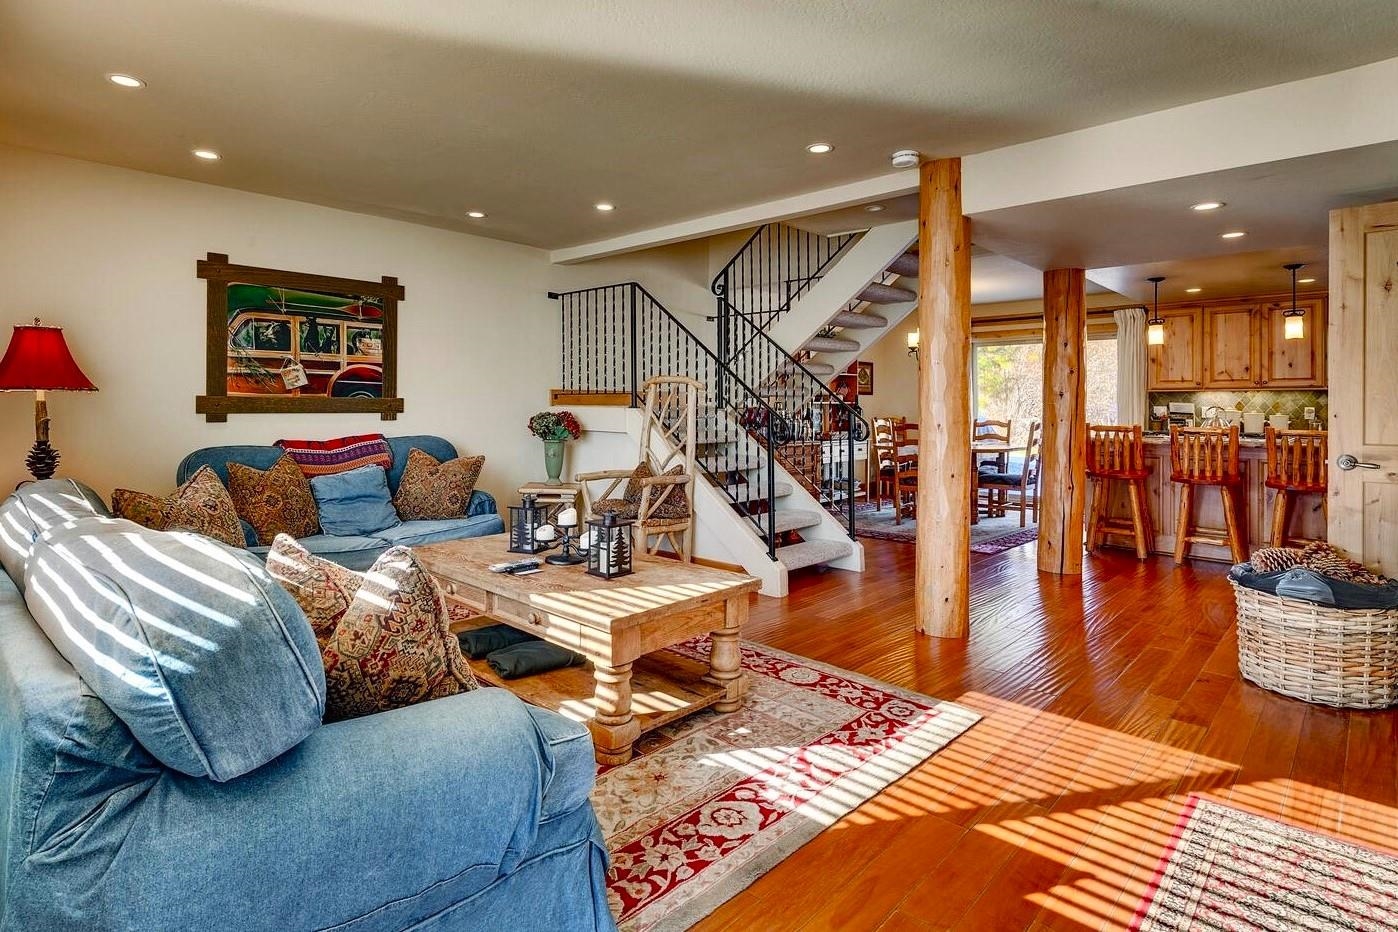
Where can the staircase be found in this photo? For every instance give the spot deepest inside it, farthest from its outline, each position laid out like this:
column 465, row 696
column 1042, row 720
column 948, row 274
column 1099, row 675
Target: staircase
column 764, row 491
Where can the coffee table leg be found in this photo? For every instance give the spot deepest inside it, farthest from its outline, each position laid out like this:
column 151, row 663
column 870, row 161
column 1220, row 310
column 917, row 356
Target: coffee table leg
column 614, row 728
column 726, row 657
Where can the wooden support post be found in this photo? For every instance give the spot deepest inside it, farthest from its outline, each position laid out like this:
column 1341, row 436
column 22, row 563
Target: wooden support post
column 1064, row 466
column 943, row 591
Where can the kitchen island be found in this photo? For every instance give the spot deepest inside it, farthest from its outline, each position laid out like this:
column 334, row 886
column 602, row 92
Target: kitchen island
column 1162, row 498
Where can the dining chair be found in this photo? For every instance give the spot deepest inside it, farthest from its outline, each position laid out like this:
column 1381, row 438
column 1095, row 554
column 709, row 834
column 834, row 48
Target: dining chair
column 883, row 441
column 991, row 429
column 1023, row 483
column 1117, row 454
column 1208, row 456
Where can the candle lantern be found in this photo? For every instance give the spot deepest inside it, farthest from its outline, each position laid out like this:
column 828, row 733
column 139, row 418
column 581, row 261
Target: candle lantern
column 610, row 553
column 526, row 520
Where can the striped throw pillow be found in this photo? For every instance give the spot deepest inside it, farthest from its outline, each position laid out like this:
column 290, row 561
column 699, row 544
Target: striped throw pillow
column 326, row 457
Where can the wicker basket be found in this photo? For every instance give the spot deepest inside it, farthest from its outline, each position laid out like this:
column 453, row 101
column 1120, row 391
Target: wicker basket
column 1346, row 658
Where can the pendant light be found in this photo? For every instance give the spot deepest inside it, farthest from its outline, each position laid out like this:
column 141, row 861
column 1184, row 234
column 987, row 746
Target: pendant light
column 1294, row 326
column 1155, row 327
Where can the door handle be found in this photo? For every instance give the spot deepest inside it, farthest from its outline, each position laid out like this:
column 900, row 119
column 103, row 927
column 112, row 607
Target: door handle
column 1348, row 461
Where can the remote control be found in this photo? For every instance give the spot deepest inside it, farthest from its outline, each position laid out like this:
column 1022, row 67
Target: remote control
column 514, row 567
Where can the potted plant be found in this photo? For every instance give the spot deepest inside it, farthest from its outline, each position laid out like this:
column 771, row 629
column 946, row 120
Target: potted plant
column 554, row 428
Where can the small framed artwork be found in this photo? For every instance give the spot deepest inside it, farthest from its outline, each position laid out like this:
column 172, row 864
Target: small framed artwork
column 864, row 378
column 283, row 342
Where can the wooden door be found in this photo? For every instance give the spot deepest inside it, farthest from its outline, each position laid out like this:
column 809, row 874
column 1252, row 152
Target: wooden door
column 1363, row 347
column 1292, row 363
column 1178, row 365
column 1230, row 346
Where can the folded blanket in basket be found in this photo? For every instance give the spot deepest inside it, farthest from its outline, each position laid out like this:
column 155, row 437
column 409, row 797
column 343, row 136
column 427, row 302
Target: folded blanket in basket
column 478, row 642
column 531, row 657
column 1311, row 586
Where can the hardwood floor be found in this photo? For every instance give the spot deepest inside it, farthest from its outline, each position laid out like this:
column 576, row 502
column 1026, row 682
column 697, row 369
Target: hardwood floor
column 1106, row 701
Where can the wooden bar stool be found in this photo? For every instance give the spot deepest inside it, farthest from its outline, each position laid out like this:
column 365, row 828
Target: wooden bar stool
column 1297, row 464
column 1208, row 456
column 1117, row 454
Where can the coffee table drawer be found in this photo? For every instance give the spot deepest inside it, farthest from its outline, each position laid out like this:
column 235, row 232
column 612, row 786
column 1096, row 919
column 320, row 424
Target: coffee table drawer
column 516, row 614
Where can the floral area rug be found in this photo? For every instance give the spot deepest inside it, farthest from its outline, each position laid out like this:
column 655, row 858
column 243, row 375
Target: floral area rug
column 989, row 535
column 1225, row 869
column 712, row 802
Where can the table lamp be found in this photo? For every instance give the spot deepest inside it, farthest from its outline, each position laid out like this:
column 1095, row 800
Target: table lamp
column 38, row 361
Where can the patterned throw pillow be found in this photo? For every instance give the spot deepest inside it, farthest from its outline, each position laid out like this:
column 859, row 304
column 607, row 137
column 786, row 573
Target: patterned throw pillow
column 324, row 589
column 274, row 501
column 394, row 645
column 431, row 490
column 327, row 457
column 633, row 485
column 673, row 507
column 202, row 505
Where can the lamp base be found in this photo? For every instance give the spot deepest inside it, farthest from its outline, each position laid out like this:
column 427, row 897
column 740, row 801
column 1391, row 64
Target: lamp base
column 42, row 460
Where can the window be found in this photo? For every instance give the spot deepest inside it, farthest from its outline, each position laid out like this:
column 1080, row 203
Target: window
column 1007, row 383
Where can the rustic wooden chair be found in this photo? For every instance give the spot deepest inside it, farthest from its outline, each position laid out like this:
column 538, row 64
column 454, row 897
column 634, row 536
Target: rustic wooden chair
column 1024, row 484
column 659, row 492
column 896, row 472
column 990, row 429
column 1297, row 464
column 1208, row 456
column 1117, row 454
column 883, row 443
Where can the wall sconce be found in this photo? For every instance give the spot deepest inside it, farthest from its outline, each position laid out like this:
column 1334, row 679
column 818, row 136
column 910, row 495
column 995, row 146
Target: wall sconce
column 914, row 342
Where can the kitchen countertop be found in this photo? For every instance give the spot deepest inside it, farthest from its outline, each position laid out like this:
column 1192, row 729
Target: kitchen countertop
column 1244, row 441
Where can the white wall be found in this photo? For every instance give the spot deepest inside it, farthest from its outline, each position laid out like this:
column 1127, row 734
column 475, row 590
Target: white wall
column 110, row 255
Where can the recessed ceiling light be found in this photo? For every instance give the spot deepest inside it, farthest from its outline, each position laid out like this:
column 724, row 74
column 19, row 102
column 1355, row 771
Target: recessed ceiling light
column 1207, row 205
column 1233, row 234
column 1305, row 281
column 125, row 80
column 604, row 206
column 1193, row 290
column 873, row 208
column 820, row 148
column 476, row 214
column 208, row 155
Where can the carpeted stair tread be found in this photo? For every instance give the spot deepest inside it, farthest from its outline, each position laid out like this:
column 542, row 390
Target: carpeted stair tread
column 852, row 321
column 906, row 264
column 795, row 519
column 813, row 552
column 830, row 345
column 754, row 491
column 814, row 368
column 876, row 293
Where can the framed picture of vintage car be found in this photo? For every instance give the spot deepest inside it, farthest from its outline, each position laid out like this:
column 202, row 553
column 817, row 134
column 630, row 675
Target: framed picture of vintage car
column 281, row 342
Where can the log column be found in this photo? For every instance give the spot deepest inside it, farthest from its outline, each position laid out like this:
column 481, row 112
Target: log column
column 943, row 592
column 1064, row 466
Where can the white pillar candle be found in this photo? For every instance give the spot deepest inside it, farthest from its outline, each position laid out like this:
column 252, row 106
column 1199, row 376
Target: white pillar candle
column 568, row 517
column 545, row 532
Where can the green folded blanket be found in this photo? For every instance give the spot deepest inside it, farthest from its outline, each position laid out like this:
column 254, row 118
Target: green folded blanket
column 479, row 642
column 531, row 657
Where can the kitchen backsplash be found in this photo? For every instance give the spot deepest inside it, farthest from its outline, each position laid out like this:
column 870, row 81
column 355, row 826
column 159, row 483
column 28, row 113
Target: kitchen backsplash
column 1292, row 404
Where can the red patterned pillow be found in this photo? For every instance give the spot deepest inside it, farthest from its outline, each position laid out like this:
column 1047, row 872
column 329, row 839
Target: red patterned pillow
column 326, row 457
column 324, row 589
column 393, row 647
column 430, row 490
column 274, row 501
column 201, row 505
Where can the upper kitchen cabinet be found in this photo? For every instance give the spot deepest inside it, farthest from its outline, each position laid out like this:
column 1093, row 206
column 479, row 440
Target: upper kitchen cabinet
column 1292, row 363
column 1178, row 365
column 1230, row 346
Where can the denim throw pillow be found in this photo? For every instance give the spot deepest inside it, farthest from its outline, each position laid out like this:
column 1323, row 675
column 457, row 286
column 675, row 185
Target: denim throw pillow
column 32, row 509
column 354, row 503
column 192, row 644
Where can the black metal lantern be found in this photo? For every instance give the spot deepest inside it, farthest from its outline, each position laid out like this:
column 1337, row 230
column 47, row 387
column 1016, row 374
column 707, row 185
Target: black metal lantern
column 609, row 554
column 525, row 520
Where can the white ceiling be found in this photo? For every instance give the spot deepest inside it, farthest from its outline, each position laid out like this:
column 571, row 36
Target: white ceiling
column 533, row 111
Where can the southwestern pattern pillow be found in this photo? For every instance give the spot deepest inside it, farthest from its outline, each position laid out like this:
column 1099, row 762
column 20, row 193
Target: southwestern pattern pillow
column 202, row 505
column 327, row 457
column 394, row 645
column 431, row 491
column 324, row 589
column 274, row 501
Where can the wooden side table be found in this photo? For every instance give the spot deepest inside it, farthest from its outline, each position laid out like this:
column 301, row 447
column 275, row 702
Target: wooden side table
column 553, row 498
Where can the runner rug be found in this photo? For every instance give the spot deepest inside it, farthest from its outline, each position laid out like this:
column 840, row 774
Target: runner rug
column 1225, row 869
column 712, row 802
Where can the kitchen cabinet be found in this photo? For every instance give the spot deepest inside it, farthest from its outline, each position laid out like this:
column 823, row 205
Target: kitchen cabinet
column 1238, row 345
column 1178, row 365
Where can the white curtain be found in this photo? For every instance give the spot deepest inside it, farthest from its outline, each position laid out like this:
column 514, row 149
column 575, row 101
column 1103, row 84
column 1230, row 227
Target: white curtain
column 1131, row 365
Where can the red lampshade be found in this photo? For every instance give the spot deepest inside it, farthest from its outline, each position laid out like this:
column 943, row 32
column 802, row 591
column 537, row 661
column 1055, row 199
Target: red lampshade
column 38, row 360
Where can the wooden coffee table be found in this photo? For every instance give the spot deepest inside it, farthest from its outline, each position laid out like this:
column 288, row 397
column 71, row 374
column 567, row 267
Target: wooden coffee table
column 632, row 684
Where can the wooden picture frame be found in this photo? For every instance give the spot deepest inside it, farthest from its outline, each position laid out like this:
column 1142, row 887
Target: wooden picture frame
column 329, row 393
column 864, row 378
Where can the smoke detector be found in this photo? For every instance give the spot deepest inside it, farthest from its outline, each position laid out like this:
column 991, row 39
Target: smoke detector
column 906, row 158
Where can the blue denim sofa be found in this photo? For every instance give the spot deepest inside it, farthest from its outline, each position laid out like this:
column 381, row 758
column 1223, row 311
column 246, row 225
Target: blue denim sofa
column 464, row 813
column 358, row 553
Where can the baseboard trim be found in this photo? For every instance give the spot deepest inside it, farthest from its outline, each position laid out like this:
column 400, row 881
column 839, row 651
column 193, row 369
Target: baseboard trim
column 703, row 561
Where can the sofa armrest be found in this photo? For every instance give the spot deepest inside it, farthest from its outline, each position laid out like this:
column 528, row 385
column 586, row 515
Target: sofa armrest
column 482, row 503
column 437, row 799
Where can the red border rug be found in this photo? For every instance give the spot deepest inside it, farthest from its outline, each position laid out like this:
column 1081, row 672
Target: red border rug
column 1225, row 869
column 712, row 802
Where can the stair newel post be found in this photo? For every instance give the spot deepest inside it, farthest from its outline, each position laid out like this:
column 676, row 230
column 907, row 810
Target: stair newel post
column 771, row 484
column 635, row 300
